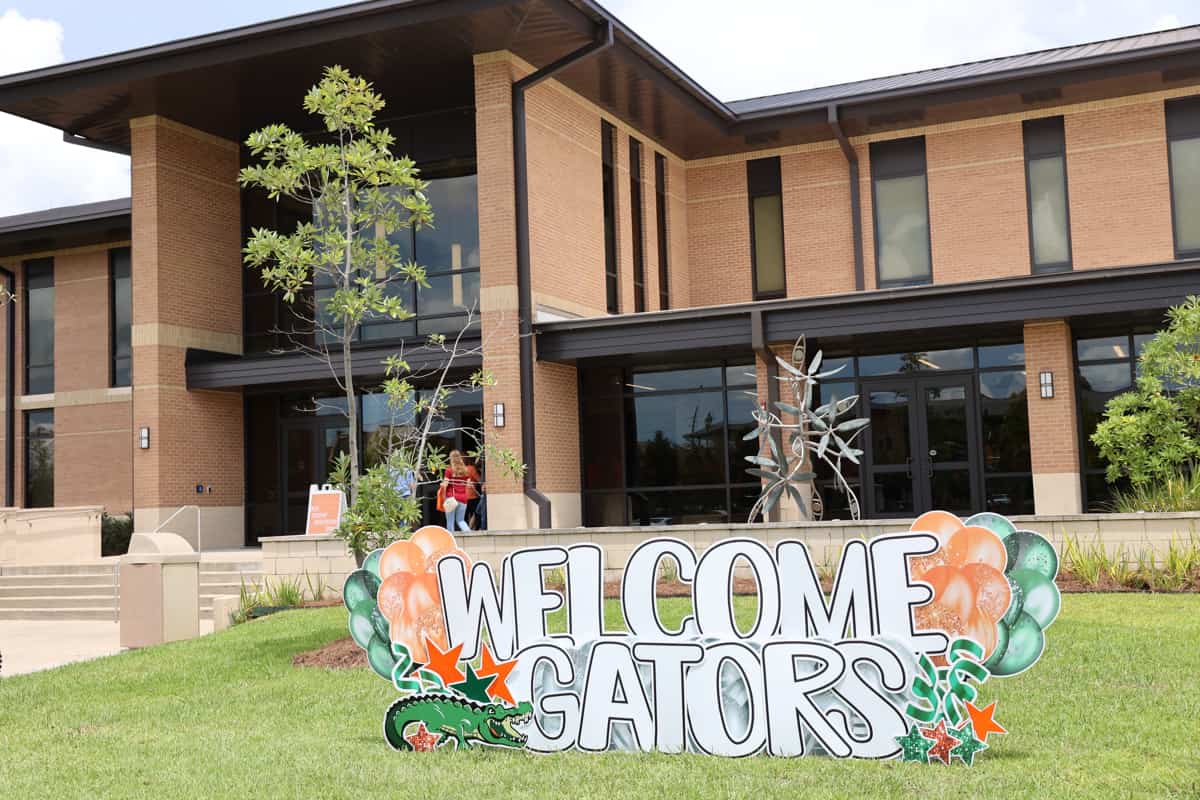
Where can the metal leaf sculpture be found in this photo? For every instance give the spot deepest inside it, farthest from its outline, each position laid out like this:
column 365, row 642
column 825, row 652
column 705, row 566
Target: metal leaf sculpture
column 816, row 435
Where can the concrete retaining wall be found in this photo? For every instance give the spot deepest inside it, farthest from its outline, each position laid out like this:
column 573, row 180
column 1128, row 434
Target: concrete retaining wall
column 326, row 556
column 49, row 535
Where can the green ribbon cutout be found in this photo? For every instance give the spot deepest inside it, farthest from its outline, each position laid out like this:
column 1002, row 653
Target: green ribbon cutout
column 944, row 692
column 404, row 662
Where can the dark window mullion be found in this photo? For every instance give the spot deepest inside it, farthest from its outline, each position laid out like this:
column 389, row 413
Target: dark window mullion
column 660, row 207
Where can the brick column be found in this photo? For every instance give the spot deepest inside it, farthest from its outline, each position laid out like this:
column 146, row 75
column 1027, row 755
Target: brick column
column 187, row 279
column 1053, row 423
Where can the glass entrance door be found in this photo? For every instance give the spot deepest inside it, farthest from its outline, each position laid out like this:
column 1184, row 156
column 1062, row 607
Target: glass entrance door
column 921, row 452
column 310, row 450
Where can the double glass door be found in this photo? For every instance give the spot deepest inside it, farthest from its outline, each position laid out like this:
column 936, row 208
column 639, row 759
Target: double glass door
column 922, row 448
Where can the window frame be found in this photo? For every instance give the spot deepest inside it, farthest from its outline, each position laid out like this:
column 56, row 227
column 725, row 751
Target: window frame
column 1034, row 133
column 1180, row 130
column 637, row 224
column 772, row 182
column 46, row 265
column 660, row 215
column 608, row 183
column 876, row 148
column 112, row 316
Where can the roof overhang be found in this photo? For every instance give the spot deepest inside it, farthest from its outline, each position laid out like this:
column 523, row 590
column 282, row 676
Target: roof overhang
column 924, row 313
column 65, row 228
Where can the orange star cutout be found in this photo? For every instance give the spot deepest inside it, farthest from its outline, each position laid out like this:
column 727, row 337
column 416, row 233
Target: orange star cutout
column 982, row 722
column 499, row 687
column 943, row 742
column 422, row 741
column 444, row 662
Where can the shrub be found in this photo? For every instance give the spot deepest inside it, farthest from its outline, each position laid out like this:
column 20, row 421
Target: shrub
column 379, row 514
column 1149, row 434
column 1179, row 491
column 115, row 533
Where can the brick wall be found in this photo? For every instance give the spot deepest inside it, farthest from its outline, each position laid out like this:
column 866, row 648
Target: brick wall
column 1053, row 422
column 187, row 278
column 718, row 234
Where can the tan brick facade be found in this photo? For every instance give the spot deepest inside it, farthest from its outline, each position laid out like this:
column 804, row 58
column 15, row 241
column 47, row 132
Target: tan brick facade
column 186, row 277
column 1053, row 422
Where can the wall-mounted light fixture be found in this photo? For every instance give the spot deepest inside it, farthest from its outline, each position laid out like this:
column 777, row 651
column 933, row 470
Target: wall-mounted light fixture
column 1046, row 383
column 144, row 438
column 498, row 415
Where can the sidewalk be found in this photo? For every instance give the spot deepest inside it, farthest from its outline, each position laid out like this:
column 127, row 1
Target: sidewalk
column 30, row 646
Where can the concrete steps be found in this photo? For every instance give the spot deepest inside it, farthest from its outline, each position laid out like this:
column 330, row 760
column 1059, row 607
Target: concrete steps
column 226, row 578
column 59, row 592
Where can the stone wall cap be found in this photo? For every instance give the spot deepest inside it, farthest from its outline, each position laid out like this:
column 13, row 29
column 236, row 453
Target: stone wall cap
column 160, row 558
column 302, row 537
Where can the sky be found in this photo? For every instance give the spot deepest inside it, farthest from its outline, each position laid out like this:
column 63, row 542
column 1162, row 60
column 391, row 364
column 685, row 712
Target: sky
column 761, row 47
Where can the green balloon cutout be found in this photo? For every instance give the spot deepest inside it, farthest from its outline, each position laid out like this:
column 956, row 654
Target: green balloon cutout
column 1018, row 600
column 371, row 562
column 1041, row 599
column 993, row 522
column 379, row 655
column 1029, row 550
column 380, row 624
column 361, row 629
column 1025, row 644
column 359, row 590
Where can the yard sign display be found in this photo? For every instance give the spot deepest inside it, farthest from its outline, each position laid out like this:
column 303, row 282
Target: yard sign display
column 326, row 504
column 888, row 666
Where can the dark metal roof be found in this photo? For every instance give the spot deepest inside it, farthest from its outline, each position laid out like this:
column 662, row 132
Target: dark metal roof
column 65, row 227
column 920, row 310
column 1079, row 56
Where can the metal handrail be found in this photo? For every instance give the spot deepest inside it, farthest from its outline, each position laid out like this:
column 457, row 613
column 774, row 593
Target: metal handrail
column 176, row 513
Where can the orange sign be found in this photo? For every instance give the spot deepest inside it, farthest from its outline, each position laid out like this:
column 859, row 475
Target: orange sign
column 325, row 507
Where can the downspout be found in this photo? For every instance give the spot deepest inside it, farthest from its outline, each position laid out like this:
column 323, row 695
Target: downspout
column 855, row 201
column 758, row 340
column 10, row 392
column 603, row 41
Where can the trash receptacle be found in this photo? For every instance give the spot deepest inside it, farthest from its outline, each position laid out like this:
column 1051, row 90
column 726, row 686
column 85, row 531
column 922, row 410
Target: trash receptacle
column 160, row 591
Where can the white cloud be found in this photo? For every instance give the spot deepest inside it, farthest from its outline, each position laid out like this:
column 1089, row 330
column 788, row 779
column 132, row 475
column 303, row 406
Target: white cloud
column 37, row 169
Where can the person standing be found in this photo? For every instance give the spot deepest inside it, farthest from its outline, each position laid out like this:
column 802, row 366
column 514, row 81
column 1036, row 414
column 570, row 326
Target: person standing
column 458, row 484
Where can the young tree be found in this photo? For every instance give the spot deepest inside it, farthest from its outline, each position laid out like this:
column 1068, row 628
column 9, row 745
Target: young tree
column 360, row 194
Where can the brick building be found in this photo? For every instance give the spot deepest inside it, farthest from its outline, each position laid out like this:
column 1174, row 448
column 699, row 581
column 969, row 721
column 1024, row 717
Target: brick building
column 982, row 248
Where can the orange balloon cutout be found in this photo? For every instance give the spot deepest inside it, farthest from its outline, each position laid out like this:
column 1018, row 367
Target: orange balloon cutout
column 952, row 590
column 975, row 545
column 393, row 596
column 941, row 524
column 982, row 630
column 434, row 542
column 936, row 617
column 992, row 592
column 401, row 556
column 919, row 566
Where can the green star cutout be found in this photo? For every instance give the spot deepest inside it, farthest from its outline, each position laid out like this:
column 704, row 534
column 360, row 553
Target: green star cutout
column 969, row 746
column 915, row 746
column 474, row 687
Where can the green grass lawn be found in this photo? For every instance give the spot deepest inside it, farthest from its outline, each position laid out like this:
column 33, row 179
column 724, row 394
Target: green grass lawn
column 1112, row 710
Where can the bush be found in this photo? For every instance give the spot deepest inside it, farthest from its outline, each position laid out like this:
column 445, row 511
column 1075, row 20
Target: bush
column 379, row 515
column 1150, row 435
column 115, row 533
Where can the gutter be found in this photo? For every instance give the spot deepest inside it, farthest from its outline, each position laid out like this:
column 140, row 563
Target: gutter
column 603, row 41
column 855, row 200
column 10, row 391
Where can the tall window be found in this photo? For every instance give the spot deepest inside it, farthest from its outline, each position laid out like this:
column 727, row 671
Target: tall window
column 608, row 160
column 39, row 326
column 660, row 209
column 121, row 280
column 635, row 215
column 1183, row 147
column 766, row 227
column 901, row 202
column 39, row 458
column 1046, row 187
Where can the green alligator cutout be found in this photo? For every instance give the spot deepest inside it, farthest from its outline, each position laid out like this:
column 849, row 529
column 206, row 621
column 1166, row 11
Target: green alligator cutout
column 456, row 718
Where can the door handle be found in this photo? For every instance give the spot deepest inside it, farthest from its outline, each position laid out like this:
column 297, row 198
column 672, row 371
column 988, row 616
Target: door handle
column 908, row 467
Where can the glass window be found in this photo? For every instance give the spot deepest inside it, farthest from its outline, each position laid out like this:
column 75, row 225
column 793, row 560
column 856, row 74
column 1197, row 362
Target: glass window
column 120, row 268
column 1102, row 349
column 39, row 326
column 676, row 379
column 1046, row 176
column 660, row 210
column 1106, row 369
column 917, row 361
column 635, row 219
column 678, row 439
column 39, row 458
column 1002, row 355
column 1004, row 419
column 766, row 225
column 1183, row 135
column 901, row 212
column 608, row 161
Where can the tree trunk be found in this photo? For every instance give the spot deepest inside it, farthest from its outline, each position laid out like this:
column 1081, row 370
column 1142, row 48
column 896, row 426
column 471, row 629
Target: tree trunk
column 347, row 341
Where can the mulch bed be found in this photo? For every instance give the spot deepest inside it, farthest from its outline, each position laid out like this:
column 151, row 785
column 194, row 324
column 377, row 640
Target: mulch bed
column 341, row 654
